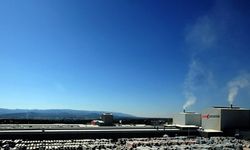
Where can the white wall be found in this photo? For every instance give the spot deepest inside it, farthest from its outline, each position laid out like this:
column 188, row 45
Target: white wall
column 179, row 119
column 187, row 119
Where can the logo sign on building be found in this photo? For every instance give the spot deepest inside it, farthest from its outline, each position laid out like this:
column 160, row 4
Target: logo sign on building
column 208, row 116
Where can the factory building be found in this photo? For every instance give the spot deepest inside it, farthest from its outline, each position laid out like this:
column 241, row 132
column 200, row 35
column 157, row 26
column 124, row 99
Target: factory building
column 107, row 119
column 226, row 119
column 187, row 118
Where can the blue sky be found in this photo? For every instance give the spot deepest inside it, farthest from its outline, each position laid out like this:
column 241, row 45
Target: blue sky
column 146, row 58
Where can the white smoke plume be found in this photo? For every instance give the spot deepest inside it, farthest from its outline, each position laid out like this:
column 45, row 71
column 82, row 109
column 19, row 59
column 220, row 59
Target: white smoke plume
column 196, row 78
column 236, row 84
column 202, row 35
column 223, row 28
column 190, row 100
column 200, row 38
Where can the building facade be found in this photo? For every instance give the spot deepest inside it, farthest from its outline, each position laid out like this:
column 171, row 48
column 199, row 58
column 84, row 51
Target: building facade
column 226, row 118
column 107, row 119
column 187, row 118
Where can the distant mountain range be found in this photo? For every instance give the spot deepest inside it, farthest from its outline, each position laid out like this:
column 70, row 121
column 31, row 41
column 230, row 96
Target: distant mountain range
column 56, row 114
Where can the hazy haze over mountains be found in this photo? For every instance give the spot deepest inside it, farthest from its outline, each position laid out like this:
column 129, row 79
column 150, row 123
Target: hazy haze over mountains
column 55, row 114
